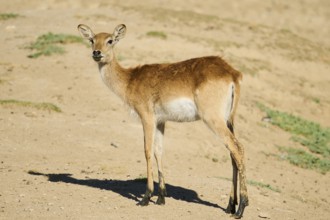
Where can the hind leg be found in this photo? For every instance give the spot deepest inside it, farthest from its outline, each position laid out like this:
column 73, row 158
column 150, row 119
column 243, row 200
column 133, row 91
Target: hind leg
column 231, row 208
column 219, row 127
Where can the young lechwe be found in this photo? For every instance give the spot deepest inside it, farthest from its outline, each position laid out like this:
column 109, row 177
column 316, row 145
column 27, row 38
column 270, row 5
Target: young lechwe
column 205, row 88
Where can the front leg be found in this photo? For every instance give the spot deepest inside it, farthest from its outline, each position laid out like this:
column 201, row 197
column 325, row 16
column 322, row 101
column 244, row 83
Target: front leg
column 149, row 133
column 158, row 148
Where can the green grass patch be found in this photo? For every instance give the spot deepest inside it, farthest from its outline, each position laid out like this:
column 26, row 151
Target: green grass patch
column 316, row 100
column 157, row 34
column 39, row 106
column 7, row 16
column 257, row 184
column 263, row 185
column 306, row 133
column 305, row 160
column 49, row 44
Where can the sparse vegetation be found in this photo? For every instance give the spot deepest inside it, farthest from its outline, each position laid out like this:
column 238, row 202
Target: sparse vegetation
column 305, row 160
column 257, row 184
column 308, row 134
column 263, row 185
column 6, row 16
column 316, row 100
column 49, row 44
column 39, row 106
column 157, row 34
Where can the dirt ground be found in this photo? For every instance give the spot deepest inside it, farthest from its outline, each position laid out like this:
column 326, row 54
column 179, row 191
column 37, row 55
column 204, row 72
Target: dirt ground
column 87, row 162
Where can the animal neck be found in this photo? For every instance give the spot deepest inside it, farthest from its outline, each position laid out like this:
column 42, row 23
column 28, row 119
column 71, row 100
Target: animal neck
column 115, row 77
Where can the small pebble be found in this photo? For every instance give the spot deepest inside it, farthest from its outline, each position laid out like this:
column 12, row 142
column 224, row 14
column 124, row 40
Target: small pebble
column 264, row 215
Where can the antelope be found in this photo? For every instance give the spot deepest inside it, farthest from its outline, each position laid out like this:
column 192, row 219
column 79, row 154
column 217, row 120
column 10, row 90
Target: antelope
column 205, row 88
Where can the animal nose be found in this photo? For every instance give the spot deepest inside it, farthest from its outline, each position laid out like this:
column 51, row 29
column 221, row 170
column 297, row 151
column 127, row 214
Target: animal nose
column 96, row 53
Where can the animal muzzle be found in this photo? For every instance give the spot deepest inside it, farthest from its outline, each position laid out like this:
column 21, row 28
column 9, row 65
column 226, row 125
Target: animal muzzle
column 97, row 55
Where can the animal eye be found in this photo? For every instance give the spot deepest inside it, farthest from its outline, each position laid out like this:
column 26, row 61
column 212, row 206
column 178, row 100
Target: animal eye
column 91, row 40
column 110, row 42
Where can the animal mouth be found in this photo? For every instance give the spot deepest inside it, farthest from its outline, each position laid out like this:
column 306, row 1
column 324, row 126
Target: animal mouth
column 97, row 58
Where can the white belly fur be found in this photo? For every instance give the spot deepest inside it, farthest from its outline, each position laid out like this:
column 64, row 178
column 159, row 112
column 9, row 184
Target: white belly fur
column 180, row 110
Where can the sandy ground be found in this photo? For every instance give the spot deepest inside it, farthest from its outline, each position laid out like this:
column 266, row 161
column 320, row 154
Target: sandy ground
column 84, row 163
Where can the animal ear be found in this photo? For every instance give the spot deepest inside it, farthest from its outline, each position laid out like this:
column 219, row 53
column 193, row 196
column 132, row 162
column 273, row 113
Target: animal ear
column 85, row 31
column 119, row 32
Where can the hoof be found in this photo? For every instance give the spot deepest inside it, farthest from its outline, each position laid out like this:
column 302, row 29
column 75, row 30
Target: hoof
column 160, row 200
column 144, row 202
column 146, row 198
column 242, row 204
column 231, row 208
column 161, row 196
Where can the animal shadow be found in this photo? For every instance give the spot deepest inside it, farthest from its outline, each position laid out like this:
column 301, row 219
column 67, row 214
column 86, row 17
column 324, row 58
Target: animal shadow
column 131, row 189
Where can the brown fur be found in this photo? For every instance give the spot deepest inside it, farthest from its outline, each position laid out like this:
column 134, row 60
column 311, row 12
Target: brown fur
column 162, row 82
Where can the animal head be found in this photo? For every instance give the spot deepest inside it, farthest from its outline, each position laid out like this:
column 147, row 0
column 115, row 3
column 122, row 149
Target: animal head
column 102, row 43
